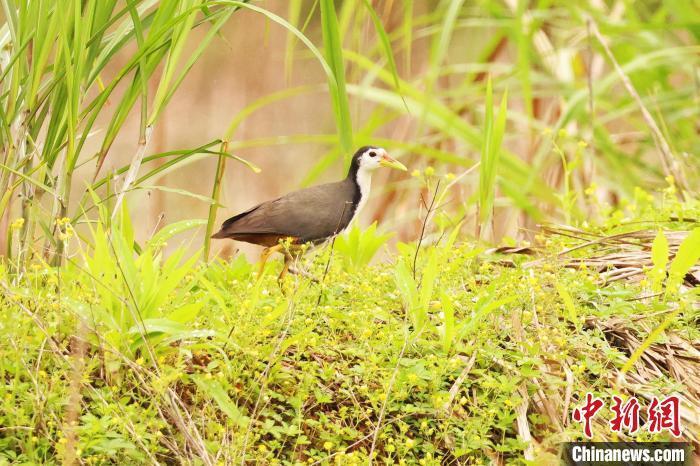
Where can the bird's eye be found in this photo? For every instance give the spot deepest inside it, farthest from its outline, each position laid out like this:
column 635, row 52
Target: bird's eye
column 372, row 153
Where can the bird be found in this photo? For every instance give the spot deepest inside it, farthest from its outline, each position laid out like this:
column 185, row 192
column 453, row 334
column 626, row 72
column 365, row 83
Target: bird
column 308, row 216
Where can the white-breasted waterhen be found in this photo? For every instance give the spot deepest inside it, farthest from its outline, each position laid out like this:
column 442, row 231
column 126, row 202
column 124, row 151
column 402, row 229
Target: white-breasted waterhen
column 310, row 215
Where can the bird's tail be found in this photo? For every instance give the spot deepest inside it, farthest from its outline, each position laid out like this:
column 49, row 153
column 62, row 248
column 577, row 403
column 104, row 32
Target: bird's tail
column 227, row 227
column 221, row 234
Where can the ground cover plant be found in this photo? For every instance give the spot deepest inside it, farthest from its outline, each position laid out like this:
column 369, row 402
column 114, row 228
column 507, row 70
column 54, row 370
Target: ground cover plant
column 544, row 246
column 479, row 358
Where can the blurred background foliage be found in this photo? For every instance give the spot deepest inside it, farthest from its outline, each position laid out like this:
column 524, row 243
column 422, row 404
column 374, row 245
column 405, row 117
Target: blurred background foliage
column 126, row 125
column 158, row 102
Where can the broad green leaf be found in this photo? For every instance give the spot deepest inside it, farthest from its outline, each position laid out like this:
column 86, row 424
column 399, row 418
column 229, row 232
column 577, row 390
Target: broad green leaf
column 687, row 256
column 215, row 391
column 168, row 231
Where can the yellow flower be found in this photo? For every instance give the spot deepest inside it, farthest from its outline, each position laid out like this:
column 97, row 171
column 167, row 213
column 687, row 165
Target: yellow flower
column 410, row 443
column 17, row 224
column 429, row 171
column 328, row 445
column 66, row 235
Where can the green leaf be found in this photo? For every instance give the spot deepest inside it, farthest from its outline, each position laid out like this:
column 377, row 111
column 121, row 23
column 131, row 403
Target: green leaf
column 186, row 313
column 649, row 340
column 173, row 229
column 333, row 47
column 215, row 391
column 490, row 153
column 386, row 46
column 182, row 192
column 687, row 256
column 659, row 257
column 448, row 327
column 358, row 247
column 406, row 285
column 484, row 306
column 427, row 281
column 569, row 305
column 158, row 326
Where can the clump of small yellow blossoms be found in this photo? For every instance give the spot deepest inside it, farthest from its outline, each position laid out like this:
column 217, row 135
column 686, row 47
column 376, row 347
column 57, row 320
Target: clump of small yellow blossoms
column 590, row 190
column 671, row 189
column 65, row 229
column 429, row 172
column 17, row 224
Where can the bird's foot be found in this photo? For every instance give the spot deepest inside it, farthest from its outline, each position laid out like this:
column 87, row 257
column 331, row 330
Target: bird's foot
column 303, row 273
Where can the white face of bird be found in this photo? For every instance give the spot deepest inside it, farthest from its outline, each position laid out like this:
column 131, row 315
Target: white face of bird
column 375, row 157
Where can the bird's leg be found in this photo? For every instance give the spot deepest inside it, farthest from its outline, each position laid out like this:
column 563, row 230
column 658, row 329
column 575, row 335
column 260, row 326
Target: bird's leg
column 285, row 268
column 300, row 271
column 303, row 273
column 264, row 256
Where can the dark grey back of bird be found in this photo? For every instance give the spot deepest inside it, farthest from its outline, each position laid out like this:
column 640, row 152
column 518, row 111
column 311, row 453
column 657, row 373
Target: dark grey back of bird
column 308, row 215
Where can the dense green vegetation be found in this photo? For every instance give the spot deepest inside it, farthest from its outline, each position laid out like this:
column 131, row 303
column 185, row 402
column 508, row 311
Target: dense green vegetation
column 162, row 359
column 552, row 212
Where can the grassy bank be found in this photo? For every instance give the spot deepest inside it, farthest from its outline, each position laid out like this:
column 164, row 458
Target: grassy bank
column 123, row 356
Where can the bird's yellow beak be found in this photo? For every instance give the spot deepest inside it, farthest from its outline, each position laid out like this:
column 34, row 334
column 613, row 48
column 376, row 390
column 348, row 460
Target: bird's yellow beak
column 389, row 162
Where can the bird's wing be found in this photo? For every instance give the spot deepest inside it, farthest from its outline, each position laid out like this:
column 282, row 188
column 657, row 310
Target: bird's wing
column 308, row 214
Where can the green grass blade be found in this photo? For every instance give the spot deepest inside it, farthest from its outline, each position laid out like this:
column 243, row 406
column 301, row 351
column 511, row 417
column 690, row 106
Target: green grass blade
column 386, row 46
column 333, row 47
column 494, row 128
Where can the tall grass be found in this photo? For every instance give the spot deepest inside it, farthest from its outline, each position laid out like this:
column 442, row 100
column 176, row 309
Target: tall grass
column 583, row 103
column 65, row 98
column 63, row 102
column 494, row 127
column 406, row 75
